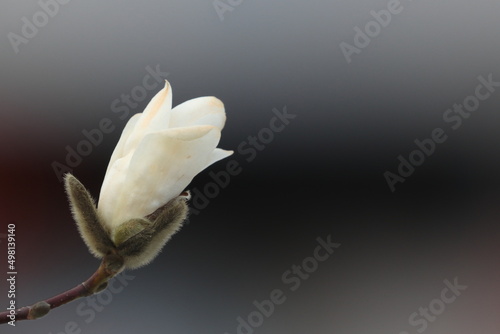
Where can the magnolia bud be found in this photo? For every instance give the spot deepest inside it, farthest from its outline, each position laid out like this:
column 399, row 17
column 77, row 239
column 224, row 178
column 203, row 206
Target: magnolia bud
column 38, row 310
column 158, row 154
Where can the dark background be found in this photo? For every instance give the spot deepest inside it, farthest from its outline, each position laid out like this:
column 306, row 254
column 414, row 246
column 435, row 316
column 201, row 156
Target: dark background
column 322, row 175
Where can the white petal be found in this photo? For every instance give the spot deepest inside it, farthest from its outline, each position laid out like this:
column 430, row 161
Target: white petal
column 155, row 116
column 163, row 165
column 112, row 187
column 200, row 111
column 119, row 150
column 218, row 154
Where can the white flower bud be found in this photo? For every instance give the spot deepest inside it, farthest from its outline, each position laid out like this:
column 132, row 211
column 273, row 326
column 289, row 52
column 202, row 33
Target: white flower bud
column 142, row 203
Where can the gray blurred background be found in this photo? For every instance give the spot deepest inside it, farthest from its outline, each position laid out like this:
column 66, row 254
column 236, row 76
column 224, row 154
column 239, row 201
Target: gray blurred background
column 322, row 175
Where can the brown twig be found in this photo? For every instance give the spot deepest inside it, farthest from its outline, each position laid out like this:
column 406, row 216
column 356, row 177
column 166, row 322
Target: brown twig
column 111, row 265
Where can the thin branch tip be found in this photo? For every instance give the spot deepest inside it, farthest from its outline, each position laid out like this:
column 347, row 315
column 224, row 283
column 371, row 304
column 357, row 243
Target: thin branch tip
column 111, row 265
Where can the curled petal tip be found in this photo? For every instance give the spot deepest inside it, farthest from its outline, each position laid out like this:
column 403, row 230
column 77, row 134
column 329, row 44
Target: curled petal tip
column 216, row 102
